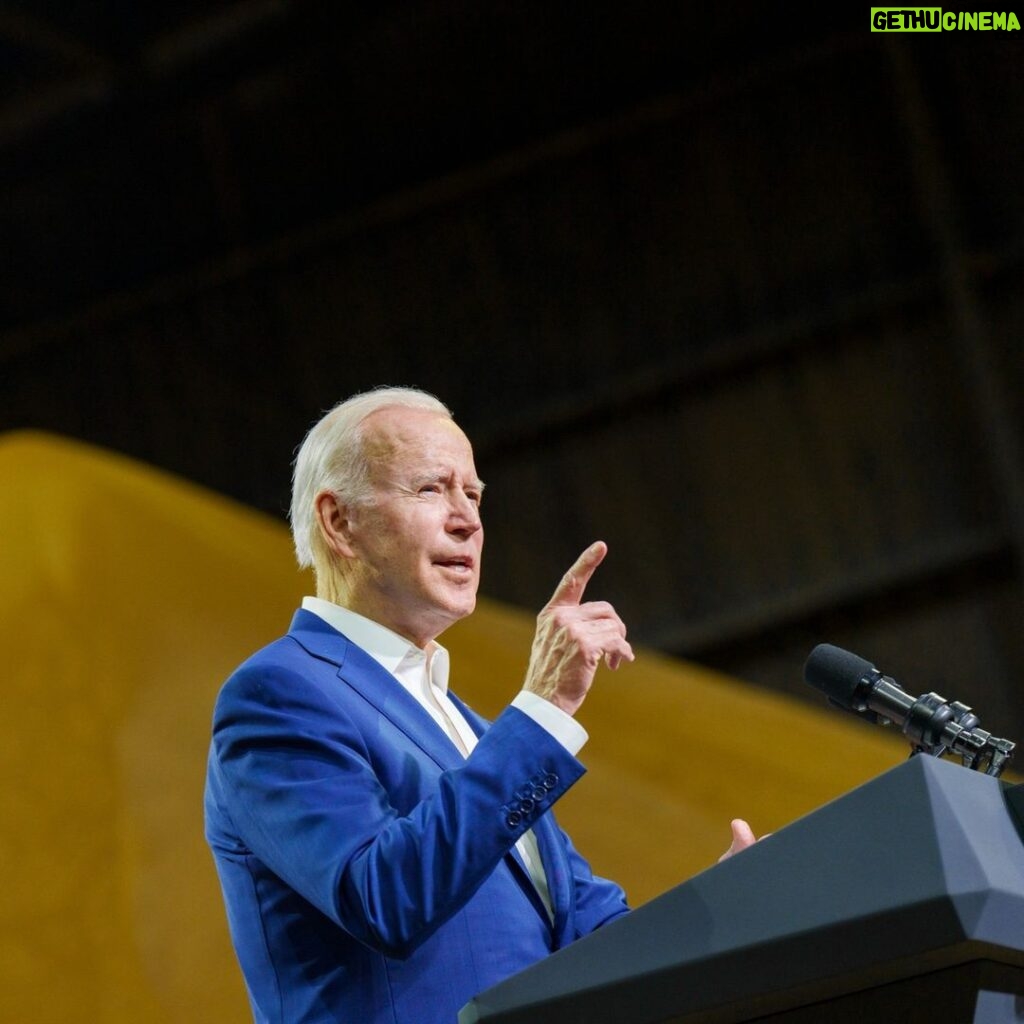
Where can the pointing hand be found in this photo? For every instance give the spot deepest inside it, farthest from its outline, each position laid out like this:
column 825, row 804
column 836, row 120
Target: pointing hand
column 573, row 637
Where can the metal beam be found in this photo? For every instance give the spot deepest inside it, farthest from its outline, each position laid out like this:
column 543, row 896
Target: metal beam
column 95, row 78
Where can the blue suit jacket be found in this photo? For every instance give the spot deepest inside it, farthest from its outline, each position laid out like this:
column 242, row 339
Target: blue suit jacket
column 368, row 869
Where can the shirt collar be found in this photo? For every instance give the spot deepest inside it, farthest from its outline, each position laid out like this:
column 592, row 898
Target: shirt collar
column 386, row 647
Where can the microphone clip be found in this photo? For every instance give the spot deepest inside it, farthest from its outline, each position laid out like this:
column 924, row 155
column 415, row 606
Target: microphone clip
column 934, row 726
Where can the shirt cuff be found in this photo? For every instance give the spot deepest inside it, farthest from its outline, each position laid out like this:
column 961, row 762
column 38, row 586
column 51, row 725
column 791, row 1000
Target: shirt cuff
column 552, row 719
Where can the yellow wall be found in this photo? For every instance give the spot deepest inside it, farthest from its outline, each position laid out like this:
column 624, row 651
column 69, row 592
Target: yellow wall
column 127, row 596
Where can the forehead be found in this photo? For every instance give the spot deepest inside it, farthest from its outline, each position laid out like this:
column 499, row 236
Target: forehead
column 400, row 437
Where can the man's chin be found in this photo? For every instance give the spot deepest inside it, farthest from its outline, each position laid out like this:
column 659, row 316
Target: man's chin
column 461, row 604
column 463, row 607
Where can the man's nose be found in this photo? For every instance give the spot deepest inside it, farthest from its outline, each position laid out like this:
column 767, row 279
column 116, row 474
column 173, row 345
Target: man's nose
column 465, row 515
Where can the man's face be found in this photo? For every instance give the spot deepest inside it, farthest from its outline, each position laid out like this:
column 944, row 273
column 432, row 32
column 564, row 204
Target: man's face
column 416, row 548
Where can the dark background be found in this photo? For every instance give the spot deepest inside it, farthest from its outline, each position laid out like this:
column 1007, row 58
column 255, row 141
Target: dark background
column 735, row 290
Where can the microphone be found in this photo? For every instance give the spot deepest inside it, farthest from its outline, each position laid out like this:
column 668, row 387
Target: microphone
column 932, row 724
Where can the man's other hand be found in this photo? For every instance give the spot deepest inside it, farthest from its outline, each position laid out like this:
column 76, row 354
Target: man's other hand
column 742, row 837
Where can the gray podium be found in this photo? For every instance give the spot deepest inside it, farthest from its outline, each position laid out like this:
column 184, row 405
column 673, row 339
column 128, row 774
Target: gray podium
column 901, row 901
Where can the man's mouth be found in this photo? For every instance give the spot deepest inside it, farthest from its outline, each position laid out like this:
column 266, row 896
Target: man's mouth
column 459, row 563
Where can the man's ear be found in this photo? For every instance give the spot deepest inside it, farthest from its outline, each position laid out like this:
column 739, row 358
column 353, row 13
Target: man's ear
column 332, row 517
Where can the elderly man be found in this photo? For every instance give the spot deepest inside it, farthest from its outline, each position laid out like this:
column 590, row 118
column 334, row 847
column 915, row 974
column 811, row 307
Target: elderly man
column 384, row 852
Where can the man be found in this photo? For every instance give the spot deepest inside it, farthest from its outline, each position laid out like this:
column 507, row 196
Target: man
column 385, row 854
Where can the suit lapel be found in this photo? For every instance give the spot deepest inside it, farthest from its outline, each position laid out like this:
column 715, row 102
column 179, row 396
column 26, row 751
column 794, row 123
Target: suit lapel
column 377, row 686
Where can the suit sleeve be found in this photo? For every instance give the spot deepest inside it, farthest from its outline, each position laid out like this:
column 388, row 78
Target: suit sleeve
column 296, row 778
column 598, row 900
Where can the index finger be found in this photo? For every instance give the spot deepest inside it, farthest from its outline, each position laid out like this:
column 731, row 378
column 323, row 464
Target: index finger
column 574, row 582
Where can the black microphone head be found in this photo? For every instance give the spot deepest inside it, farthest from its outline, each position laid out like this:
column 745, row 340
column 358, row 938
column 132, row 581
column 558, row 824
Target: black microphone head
column 837, row 673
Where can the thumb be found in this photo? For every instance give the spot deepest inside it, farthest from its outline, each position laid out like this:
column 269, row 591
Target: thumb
column 742, row 837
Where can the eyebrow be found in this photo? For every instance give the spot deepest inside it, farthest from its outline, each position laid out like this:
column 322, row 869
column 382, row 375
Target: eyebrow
column 442, row 476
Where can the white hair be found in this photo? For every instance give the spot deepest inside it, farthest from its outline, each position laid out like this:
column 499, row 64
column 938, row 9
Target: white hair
column 332, row 458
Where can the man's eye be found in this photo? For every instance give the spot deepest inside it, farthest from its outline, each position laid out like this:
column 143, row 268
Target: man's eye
column 430, row 489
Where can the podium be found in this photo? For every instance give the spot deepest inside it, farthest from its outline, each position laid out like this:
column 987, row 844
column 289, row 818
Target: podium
column 901, row 901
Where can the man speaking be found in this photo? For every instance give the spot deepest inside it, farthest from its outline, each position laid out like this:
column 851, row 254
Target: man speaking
column 386, row 854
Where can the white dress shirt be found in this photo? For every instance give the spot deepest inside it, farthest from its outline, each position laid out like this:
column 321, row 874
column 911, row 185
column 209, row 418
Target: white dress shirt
column 424, row 674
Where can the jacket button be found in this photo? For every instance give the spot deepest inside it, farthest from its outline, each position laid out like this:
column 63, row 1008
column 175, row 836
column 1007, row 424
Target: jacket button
column 538, row 794
column 513, row 819
column 550, row 781
column 526, row 805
